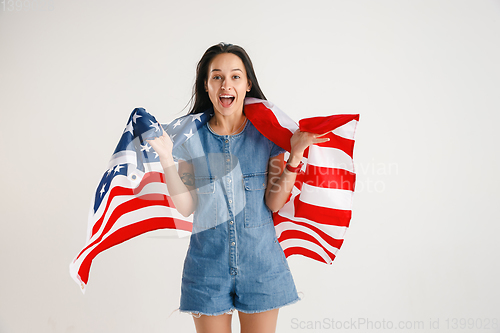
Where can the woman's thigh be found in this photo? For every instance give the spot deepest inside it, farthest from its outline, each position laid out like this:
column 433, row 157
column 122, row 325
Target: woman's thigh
column 213, row 324
column 261, row 322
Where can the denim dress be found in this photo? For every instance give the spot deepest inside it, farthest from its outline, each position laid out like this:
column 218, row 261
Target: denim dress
column 234, row 260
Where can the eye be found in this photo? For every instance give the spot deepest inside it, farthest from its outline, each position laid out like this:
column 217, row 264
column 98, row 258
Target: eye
column 236, row 77
column 216, row 77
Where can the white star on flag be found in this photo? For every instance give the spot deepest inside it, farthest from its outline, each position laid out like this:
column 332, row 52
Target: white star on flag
column 135, row 116
column 197, row 116
column 129, row 128
column 190, row 134
column 145, row 148
column 178, row 123
column 102, row 189
column 155, row 126
column 118, row 167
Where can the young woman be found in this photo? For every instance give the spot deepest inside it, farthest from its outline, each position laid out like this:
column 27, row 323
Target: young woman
column 232, row 178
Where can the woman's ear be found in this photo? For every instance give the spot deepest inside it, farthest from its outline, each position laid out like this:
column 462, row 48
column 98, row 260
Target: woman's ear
column 249, row 86
column 206, row 87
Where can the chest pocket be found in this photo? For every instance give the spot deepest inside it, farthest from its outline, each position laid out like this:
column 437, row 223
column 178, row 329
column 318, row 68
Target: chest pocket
column 256, row 211
column 205, row 216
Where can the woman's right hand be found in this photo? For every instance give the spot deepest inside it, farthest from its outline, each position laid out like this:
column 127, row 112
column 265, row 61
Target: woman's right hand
column 181, row 190
column 163, row 147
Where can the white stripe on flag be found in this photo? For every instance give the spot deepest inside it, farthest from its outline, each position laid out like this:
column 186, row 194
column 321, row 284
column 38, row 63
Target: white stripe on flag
column 347, row 130
column 123, row 157
column 153, row 188
column 330, row 158
column 142, row 214
column 326, row 197
column 288, row 210
column 155, row 166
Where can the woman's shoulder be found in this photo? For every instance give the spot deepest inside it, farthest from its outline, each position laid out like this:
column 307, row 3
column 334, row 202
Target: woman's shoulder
column 252, row 130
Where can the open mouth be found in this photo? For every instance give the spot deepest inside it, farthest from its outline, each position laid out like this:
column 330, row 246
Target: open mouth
column 226, row 100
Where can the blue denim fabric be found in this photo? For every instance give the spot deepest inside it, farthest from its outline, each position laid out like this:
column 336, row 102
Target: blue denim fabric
column 234, row 260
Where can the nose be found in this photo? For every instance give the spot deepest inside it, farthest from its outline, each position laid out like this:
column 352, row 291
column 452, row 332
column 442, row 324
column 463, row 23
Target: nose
column 225, row 86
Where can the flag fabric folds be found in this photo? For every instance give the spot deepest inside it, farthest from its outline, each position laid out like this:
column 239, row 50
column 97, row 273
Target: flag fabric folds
column 132, row 197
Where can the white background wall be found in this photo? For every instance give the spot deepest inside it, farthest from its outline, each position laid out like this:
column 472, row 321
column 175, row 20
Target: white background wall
column 424, row 75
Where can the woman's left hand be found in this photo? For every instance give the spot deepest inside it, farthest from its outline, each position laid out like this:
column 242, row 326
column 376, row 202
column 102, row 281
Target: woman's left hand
column 280, row 183
column 301, row 140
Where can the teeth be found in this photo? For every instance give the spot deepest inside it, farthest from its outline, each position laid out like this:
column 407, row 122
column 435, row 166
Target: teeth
column 226, row 96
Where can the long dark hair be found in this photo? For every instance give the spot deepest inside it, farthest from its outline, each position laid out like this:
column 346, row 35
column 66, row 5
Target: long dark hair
column 200, row 96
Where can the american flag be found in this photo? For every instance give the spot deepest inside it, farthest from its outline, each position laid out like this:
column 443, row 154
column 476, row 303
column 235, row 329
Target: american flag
column 132, row 197
column 314, row 220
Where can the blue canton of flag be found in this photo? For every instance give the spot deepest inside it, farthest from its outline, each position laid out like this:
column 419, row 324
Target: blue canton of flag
column 184, row 128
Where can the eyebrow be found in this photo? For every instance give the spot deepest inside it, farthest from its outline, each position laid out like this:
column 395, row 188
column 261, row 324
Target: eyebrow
column 216, row 69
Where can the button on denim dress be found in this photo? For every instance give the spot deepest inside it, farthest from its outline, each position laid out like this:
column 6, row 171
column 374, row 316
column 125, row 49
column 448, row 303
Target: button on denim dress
column 234, row 260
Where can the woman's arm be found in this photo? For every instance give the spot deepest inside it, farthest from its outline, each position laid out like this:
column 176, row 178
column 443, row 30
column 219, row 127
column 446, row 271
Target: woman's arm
column 280, row 181
column 180, row 183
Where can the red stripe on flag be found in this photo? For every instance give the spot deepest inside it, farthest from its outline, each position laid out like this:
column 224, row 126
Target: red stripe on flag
column 329, row 177
column 323, row 215
column 148, row 178
column 290, row 251
column 320, row 125
column 267, row 124
column 346, row 145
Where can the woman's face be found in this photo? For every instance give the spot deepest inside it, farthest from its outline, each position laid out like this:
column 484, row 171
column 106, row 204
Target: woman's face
column 227, row 84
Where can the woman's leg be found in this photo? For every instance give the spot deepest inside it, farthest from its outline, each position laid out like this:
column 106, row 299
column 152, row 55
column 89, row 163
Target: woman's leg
column 262, row 322
column 213, row 324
